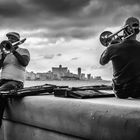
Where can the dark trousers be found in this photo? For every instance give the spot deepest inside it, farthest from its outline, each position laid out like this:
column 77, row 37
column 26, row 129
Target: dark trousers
column 6, row 85
column 126, row 90
column 123, row 94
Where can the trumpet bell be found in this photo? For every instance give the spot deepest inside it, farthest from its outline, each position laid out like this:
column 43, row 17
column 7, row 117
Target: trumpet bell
column 105, row 38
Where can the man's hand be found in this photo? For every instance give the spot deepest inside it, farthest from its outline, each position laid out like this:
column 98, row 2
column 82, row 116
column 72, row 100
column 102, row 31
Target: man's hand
column 12, row 49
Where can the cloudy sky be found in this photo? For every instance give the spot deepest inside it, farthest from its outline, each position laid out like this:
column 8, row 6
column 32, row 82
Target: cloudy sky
column 65, row 32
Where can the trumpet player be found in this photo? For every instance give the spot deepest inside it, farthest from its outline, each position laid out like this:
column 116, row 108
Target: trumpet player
column 13, row 65
column 125, row 57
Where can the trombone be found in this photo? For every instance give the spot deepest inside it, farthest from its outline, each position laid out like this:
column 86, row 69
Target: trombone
column 6, row 45
column 108, row 37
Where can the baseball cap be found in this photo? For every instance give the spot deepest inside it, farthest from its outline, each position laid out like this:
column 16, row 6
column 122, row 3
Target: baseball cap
column 132, row 21
column 15, row 34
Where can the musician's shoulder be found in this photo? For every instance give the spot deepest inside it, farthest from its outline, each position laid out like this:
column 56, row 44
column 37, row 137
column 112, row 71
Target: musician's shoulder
column 23, row 50
column 114, row 46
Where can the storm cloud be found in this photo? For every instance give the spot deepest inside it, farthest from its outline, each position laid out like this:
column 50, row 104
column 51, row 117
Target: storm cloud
column 66, row 18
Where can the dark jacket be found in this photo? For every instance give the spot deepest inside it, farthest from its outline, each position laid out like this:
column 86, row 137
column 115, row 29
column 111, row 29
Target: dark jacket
column 125, row 57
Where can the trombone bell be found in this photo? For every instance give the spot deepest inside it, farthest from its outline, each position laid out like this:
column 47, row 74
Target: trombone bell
column 104, row 38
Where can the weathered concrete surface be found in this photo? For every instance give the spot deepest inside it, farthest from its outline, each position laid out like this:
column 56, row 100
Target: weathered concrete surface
column 93, row 119
column 17, row 131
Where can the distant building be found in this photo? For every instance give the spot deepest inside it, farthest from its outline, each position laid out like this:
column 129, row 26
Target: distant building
column 49, row 75
column 83, row 77
column 88, row 76
column 30, row 75
column 97, row 78
column 41, row 76
column 79, row 73
column 59, row 72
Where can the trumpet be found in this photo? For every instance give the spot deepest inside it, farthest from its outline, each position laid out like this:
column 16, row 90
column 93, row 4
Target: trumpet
column 108, row 37
column 7, row 46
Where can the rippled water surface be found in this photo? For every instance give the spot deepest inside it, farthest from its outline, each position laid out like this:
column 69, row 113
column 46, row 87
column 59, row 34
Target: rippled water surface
column 76, row 83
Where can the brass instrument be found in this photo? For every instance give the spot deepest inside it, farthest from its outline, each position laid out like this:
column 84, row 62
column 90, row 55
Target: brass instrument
column 6, row 45
column 108, row 37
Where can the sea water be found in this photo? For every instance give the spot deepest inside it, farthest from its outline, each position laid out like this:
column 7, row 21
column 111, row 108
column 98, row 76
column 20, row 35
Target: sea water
column 70, row 83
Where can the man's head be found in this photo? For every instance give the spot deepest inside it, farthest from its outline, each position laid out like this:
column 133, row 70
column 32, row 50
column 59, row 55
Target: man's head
column 133, row 23
column 13, row 37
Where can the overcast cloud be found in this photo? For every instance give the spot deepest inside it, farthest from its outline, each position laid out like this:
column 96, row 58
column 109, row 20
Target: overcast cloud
column 65, row 31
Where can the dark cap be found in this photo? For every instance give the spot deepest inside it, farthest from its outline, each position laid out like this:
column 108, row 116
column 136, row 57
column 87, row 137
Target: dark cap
column 132, row 20
column 16, row 35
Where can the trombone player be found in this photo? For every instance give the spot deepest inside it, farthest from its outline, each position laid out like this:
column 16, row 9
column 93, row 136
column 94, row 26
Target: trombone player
column 13, row 62
column 125, row 57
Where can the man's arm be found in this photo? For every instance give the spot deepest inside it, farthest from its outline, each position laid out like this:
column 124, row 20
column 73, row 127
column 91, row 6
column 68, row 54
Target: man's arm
column 2, row 57
column 23, row 59
column 105, row 58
